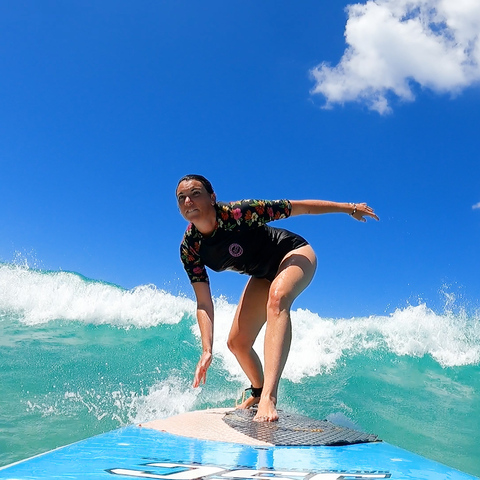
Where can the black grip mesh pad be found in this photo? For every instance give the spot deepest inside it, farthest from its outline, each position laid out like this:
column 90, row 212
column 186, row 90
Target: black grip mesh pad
column 295, row 430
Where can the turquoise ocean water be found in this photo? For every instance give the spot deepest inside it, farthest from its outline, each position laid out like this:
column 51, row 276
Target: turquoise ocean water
column 80, row 357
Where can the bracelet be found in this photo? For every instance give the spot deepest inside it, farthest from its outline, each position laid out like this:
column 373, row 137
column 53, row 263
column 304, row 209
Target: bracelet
column 354, row 209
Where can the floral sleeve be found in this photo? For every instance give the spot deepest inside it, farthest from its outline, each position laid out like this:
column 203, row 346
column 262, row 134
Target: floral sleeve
column 253, row 212
column 189, row 254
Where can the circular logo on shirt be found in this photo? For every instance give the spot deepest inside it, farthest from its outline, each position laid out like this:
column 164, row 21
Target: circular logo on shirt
column 235, row 250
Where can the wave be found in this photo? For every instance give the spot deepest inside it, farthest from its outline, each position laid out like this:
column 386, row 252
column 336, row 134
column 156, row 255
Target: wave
column 415, row 331
column 36, row 297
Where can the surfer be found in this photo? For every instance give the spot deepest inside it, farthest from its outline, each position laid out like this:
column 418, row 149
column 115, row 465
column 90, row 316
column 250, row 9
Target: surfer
column 281, row 264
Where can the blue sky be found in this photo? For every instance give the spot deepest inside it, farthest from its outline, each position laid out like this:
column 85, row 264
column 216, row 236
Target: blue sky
column 106, row 104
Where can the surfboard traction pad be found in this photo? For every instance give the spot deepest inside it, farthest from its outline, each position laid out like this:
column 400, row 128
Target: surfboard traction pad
column 295, row 430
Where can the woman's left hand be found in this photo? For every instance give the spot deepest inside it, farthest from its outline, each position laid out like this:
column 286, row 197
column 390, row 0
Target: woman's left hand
column 201, row 370
column 362, row 210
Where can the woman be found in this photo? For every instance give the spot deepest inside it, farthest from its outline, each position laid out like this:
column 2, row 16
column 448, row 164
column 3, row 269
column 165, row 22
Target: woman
column 280, row 263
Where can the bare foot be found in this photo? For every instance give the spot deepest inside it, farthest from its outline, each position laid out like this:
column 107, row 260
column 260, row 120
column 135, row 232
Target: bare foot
column 248, row 403
column 267, row 411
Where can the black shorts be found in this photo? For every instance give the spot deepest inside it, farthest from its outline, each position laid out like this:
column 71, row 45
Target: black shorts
column 281, row 242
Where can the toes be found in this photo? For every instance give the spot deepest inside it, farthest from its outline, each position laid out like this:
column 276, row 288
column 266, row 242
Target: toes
column 265, row 418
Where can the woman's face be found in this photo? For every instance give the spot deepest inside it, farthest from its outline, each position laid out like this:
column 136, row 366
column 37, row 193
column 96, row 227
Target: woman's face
column 193, row 200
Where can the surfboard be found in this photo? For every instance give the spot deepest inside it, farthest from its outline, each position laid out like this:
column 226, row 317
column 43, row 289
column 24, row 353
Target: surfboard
column 225, row 444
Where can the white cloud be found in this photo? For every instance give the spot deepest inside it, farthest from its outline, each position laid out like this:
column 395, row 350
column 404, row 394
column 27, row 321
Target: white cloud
column 476, row 206
column 393, row 44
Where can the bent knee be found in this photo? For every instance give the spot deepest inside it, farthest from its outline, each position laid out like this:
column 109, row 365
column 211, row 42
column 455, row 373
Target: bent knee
column 239, row 343
column 232, row 344
column 278, row 302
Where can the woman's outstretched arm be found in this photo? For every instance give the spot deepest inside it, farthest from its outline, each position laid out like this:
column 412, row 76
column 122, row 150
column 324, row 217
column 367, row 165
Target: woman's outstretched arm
column 317, row 207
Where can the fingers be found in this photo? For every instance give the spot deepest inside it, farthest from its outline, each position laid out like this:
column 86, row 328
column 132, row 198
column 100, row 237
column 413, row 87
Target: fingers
column 200, row 376
column 369, row 211
column 201, row 370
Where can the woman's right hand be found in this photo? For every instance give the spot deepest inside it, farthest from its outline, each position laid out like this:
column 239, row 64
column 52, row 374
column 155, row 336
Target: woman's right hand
column 202, row 367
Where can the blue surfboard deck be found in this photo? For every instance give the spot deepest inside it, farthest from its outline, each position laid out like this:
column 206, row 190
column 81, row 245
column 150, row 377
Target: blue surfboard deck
column 140, row 452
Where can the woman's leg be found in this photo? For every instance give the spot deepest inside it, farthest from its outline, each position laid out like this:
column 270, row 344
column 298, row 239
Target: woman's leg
column 294, row 274
column 249, row 319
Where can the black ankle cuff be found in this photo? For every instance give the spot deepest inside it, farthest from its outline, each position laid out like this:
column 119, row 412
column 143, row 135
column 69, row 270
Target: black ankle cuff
column 256, row 392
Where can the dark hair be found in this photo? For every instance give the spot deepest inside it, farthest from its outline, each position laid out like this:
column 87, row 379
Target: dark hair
column 201, row 179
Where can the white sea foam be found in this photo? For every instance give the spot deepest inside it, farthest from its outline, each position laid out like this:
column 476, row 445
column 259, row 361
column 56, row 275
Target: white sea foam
column 451, row 339
column 37, row 297
column 163, row 399
column 319, row 344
